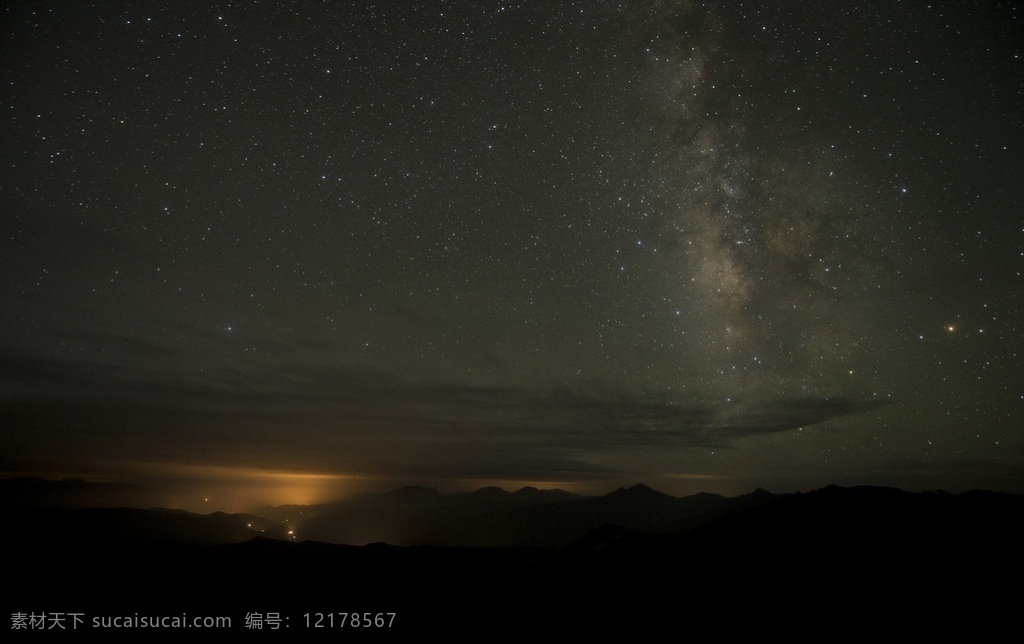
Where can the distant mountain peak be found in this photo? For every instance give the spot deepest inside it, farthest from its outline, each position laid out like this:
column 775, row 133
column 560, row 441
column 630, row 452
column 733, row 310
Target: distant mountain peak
column 492, row 490
column 638, row 491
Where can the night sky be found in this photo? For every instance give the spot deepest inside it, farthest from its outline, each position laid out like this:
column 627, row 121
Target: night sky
column 285, row 251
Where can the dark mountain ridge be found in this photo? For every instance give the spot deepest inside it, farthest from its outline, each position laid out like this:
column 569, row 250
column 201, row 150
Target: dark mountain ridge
column 832, row 564
column 495, row 517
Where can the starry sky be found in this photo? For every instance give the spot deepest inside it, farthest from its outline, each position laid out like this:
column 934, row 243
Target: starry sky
column 284, row 250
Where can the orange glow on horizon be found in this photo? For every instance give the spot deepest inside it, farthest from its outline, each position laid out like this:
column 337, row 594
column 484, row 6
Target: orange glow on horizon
column 240, row 488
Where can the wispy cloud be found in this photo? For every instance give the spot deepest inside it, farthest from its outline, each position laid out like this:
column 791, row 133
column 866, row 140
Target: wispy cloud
column 337, row 420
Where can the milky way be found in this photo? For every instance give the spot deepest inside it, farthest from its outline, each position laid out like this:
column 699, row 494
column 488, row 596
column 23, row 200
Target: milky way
column 703, row 245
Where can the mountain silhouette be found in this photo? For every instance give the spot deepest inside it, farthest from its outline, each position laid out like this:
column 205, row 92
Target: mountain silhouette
column 831, row 564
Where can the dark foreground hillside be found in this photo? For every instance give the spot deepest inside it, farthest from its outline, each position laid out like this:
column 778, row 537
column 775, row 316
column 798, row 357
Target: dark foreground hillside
column 835, row 564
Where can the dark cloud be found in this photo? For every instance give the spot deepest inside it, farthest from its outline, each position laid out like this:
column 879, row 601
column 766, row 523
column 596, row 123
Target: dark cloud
column 774, row 416
column 371, row 422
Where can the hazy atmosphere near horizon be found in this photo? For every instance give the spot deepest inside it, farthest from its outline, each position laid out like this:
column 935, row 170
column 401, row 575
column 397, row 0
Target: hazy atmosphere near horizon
column 282, row 252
